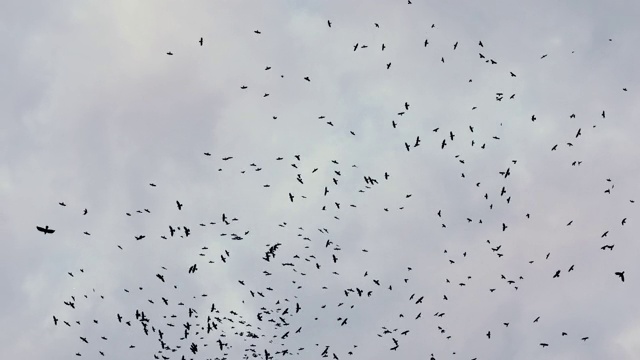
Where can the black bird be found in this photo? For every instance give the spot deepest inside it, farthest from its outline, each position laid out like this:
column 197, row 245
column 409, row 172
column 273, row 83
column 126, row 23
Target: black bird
column 329, row 23
column 620, row 274
column 179, row 205
column 169, row 53
column 45, row 229
column 201, row 41
column 291, row 197
column 557, row 274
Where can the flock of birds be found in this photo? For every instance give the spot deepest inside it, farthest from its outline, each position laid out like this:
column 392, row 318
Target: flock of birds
column 184, row 329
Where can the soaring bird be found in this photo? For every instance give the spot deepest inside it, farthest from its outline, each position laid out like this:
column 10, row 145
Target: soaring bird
column 201, row 41
column 45, row 229
column 620, row 274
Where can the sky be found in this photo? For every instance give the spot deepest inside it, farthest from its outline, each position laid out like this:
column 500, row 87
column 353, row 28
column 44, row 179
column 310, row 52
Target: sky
column 536, row 102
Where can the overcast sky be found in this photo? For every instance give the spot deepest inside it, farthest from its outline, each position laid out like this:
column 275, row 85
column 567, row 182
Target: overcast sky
column 94, row 110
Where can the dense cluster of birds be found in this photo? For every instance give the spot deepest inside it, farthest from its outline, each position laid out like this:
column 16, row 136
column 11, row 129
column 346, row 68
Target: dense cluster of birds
column 182, row 328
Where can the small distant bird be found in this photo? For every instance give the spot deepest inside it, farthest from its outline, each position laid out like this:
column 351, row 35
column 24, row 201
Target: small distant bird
column 257, row 32
column 45, row 229
column 169, row 53
column 179, row 205
column 201, row 41
column 329, row 23
column 620, row 274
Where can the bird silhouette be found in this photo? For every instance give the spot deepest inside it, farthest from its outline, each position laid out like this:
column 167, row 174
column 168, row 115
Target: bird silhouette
column 45, row 230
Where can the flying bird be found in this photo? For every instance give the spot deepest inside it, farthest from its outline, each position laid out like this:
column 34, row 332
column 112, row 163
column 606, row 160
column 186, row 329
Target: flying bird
column 45, row 230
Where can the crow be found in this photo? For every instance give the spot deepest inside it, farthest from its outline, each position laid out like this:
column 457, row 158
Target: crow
column 45, row 230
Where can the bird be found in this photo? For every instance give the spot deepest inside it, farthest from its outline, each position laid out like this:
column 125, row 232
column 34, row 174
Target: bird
column 329, row 23
column 201, row 41
column 45, row 230
column 620, row 274
column 169, row 53
column 179, row 205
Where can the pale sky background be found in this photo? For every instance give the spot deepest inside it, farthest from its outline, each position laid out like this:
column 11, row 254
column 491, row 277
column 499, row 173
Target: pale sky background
column 94, row 110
